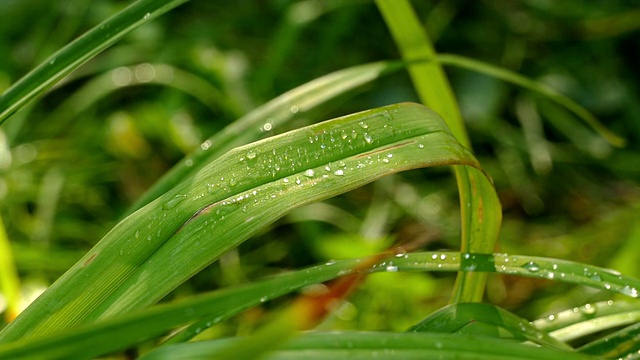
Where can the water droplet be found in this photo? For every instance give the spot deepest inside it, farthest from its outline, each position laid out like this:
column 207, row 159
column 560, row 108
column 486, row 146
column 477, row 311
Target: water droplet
column 294, row 109
column 391, row 268
column 121, row 252
column 531, row 267
column 631, row 291
column 251, row 155
column 420, row 146
column 188, row 163
column 367, row 138
column 146, row 16
column 285, row 180
column 267, row 126
column 137, row 234
column 595, row 277
column 354, row 134
column 363, row 125
column 309, row 173
column 298, row 182
column 343, row 134
column 551, row 317
column 205, row 145
column 339, row 172
column 173, row 202
column 385, row 160
column 588, row 309
column 233, row 182
column 263, row 299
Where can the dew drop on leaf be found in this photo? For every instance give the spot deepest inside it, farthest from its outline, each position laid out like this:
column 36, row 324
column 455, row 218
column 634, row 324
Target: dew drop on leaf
column 531, row 267
column 173, row 202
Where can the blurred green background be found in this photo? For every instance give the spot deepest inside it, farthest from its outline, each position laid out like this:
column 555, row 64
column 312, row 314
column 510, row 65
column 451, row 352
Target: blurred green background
column 72, row 162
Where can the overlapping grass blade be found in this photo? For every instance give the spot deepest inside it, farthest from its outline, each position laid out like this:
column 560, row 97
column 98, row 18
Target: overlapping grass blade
column 158, row 247
column 128, row 330
column 588, row 319
column 481, row 213
column 453, row 318
column 369, row 345
column 80, row 51
column 622, row 344
column 275, row 113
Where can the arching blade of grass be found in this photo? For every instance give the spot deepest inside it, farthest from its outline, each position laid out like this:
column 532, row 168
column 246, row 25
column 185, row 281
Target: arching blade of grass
column 481, row 213
column 622, row 344
column 545, row 91
column 79, row 52
column 127, row 330
column 455, row 317
column 370, row 345
column 162, row 74
column 160, row 246
column 588, row 319
column 275, row 113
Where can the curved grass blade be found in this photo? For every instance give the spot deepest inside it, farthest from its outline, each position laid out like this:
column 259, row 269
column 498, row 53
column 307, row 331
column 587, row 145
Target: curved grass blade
column 547, row 92
column 79, row 52
column 125, row 331
column 622, row 344
column 160, row 74
column 275, row 113
column 160, row 246
column 588, row 319
column 481, row 213
column 453, row 318
column 369, row 345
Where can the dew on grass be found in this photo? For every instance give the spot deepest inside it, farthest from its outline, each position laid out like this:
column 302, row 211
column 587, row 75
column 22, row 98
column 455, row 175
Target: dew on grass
column 173, row 202
column 531, row 267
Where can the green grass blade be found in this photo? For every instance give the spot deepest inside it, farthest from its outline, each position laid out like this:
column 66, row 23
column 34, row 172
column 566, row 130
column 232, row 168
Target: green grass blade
column 455, row 317
column 9, row 280
column 369, row 345
column 79, row 52
column 588, row 319
column 547, row 92
column 158, row 247
column 163, row 74
column 481, row 213
column 276, row 113
column 622, row 344
column 125, row 331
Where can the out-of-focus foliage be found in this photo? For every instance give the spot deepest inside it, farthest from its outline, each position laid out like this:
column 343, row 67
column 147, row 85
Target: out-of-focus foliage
column 72, row 163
